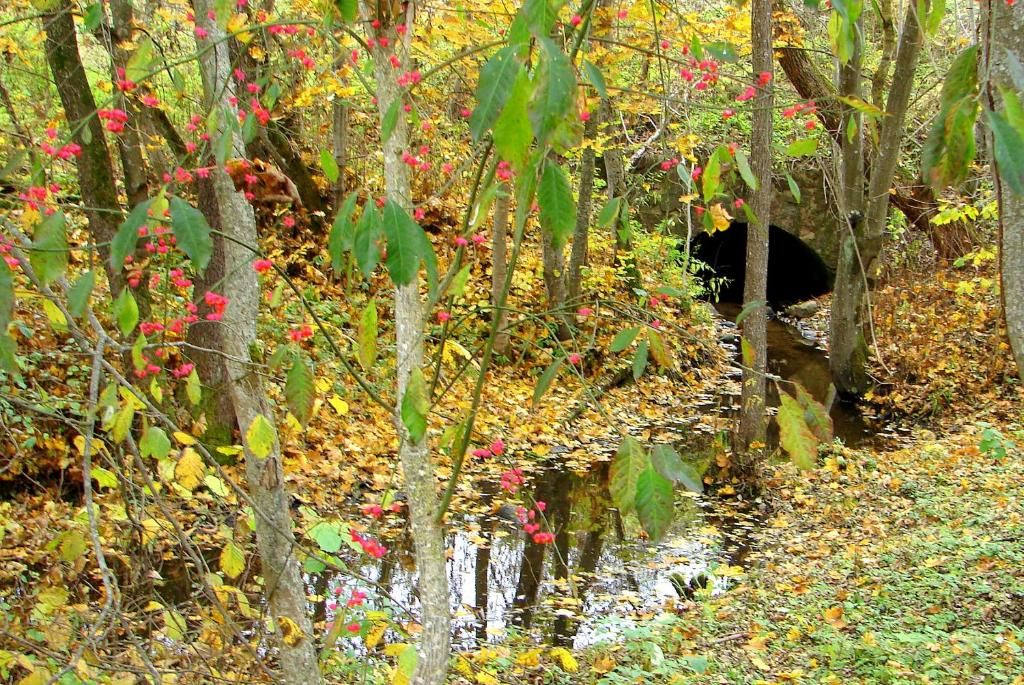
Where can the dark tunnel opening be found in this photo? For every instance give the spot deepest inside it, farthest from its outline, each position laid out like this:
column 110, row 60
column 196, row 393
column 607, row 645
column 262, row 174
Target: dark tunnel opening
column 795, row 271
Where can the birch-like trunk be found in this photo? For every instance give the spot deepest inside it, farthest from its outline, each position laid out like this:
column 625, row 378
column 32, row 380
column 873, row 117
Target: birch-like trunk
column 1003, row 39
column 283, row 584
column 417, row 466
column 499, row 265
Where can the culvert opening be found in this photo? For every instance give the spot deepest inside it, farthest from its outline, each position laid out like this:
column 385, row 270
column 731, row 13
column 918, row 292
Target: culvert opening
column 795, row 271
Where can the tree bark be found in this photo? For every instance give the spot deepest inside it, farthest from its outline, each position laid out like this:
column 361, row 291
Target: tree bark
column 857, row 262
column 95, row 171
column 283, row 584
column 417, row 466
column 754, row 327
column 615, row 173
column 339, row 139
column 1003, row 39
column 554, row 282
column 580, row 236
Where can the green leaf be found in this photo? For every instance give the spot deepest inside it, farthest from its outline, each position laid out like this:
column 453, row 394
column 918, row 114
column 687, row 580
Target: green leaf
column 544, row 382
column 232, row 560
column 609, row 213
column 6, row 296
column 126, row 311
column 512, row 132
column 193, row 388
column 93, row 17
column 748, row 309
column 497, row 78
column 260, row 436
column 349, row 10
column 640, row 360
column 366, row 352
column 555, row 94
column 49, row 254
column 343, row 233
column 407, row 660
column 415, row 406
column 668, row 463
column 794, row 189
column 8, row 354
column 390, row 120
column 557, row 208
column 722, row 51
column 596, row 79
column 327, row 537
column 128, row 234
column 365, row 246
column 805, row 147
column 191, row 232
column 654, row 503
column 405, row 244
column 623, row 339
column 330, row 165
column 103, row 477
column 711, row 178
column 745, row 172
column 658, row 349
column 938, row 10
column 155, row 443
column 300, row 390
column 141, row 62
column 794, row 434
column 457, row 288
column 630, row 461
column 815, row 415
column 535, row 17
column 1009, row 144
column 78, row 294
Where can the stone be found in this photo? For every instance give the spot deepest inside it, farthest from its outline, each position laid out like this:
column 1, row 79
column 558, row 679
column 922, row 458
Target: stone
column 803, row 310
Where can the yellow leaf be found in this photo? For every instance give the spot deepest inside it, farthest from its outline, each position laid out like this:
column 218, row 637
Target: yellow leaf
column 97, row 444
column 760, row 663
column 290, row 631
column 190, row 470
column 340, row 405
column 485, row 678
column 604, row 664
column 720, row 218
column 529, row 658
column 834, row 617
column 184, row 438
column 565, row 659
column 232, row 560
column 375, row 635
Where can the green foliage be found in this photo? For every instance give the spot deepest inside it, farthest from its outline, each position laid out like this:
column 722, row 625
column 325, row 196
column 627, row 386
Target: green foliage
column 497, row 80
column 554, row 95
column 630, row 461
column 128, row 234
column 557, row 208
column 126, row 312
column 192, row 232
column 300, row 389
column 654, row 502
column 544, row 382
column 512, row 132
column 415, row 406
column 366, row 348
column 49, row 255
column 950, row 147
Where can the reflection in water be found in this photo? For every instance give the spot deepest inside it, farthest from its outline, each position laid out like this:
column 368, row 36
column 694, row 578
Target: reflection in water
column 598, row 567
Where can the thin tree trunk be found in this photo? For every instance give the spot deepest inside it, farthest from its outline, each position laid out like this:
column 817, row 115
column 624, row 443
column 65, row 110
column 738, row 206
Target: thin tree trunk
column 1003, row 40
column 95, row 172
column 857, row 266
column 752, row 418
column 848, row 351
column 417, row 466
column 499, row 265
column 129, row 143
column 554, row 282
column 283, row 584
column 615, row 173
column 580, row 236
column 339, row 138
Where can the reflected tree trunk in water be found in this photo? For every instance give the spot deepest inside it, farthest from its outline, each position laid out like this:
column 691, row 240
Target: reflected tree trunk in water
column 482, row 594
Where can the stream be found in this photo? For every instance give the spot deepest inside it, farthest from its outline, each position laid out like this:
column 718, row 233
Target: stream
column 600, row 573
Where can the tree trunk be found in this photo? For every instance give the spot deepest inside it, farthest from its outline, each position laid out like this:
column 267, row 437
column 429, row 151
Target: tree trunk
column 1003, row 40
column 283, row 584
column 615, row 173
column 95, row 172
column 857, row 266
column 417, row 466
column 339, row 139
column 848, row 351
column 752, row 418
column 499, row 265
column 554, row 282
column 580, row 236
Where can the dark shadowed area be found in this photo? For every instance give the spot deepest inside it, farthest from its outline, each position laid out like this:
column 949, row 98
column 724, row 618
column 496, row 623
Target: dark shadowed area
column 795, row 271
